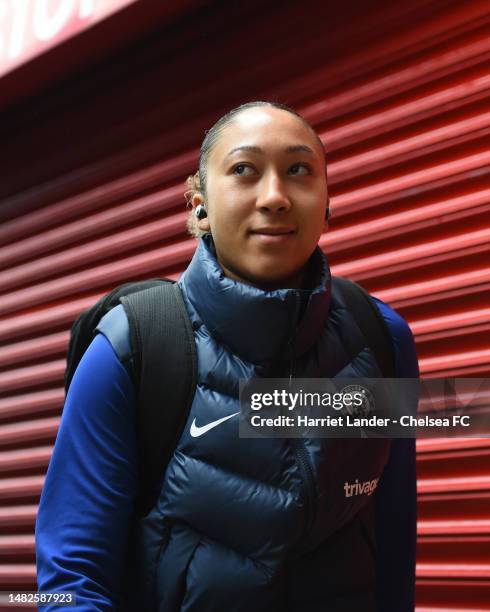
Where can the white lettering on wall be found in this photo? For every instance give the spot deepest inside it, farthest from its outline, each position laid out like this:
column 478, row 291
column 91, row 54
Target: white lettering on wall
column 19, row 11
column 48, row 22
column 3, row 15
column 87, row 7
column 25, row 24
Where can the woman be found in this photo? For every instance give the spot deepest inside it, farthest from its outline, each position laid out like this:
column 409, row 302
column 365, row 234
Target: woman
column 240, row 524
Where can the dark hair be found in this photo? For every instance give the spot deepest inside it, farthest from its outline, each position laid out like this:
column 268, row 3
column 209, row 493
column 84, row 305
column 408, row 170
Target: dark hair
column 197, row 182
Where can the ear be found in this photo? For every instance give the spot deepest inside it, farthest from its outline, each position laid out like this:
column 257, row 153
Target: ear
column 202, row 224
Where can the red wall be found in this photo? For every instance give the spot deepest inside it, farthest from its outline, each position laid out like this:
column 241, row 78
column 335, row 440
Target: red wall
column 91, row 196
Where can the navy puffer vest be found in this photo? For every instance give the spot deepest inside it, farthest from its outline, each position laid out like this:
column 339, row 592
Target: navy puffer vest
column 246, row 525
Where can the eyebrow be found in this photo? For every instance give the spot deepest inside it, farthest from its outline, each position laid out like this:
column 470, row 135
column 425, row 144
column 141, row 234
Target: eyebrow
column 254, row 149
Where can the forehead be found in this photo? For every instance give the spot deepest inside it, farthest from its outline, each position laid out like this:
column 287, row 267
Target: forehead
column 266, row 127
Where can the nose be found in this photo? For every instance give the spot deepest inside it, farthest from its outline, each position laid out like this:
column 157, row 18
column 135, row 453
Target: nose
column 272, row 196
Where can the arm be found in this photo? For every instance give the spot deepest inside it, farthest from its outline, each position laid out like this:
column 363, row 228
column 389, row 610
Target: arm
column 396, row 497
column 88, row 494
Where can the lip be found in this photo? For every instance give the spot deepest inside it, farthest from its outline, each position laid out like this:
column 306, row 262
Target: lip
column 273, row 231
column 270, row 236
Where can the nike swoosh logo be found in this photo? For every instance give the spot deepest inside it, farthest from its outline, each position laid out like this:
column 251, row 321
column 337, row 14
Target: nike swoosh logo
column 197, row 431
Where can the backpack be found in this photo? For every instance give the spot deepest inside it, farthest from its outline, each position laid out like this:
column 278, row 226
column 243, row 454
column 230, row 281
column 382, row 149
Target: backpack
column 162, row 340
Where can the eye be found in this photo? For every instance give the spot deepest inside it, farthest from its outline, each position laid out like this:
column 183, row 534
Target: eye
column 296, row 167
column 240, row 169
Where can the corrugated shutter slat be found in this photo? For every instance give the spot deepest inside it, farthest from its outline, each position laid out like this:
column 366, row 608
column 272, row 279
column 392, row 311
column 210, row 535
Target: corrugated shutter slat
column 405, row 119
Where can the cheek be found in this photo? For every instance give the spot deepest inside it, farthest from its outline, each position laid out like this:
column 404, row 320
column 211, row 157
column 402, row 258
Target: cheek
column 223, row 228
column 227, row 215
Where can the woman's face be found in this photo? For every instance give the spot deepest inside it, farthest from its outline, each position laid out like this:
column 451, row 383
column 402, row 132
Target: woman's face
column 266, row 197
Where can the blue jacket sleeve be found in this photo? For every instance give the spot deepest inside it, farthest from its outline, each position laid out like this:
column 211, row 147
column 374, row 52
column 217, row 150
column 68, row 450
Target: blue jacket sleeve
column 396, row 497
column 90, row 486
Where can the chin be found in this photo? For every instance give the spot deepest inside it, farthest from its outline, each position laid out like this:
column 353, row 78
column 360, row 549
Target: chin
column 276, row 280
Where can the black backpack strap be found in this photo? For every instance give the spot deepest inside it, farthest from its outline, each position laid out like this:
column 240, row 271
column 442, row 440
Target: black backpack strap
column 85, row 326
column 370, row 322
column 165, row 358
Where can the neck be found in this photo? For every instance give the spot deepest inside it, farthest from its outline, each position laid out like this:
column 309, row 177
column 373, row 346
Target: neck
column 253, row 323
column 295, row 281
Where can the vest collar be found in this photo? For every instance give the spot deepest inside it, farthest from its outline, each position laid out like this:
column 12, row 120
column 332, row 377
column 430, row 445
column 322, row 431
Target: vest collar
column 255, row 324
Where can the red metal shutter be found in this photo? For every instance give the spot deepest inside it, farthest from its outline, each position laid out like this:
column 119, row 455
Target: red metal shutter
column 399, row 95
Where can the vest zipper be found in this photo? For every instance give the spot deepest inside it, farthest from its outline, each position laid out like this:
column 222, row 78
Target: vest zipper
column 299, row 444
column 297, row 305
column 291, row 359
column 308, row 479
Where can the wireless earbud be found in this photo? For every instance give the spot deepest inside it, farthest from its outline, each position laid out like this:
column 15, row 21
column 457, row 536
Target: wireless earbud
column 200, row 212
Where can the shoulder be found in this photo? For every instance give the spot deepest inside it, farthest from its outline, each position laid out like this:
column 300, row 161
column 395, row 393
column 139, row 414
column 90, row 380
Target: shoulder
column 100, row 376
column 397, row 325
column 114, row 326
column 402, row 338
